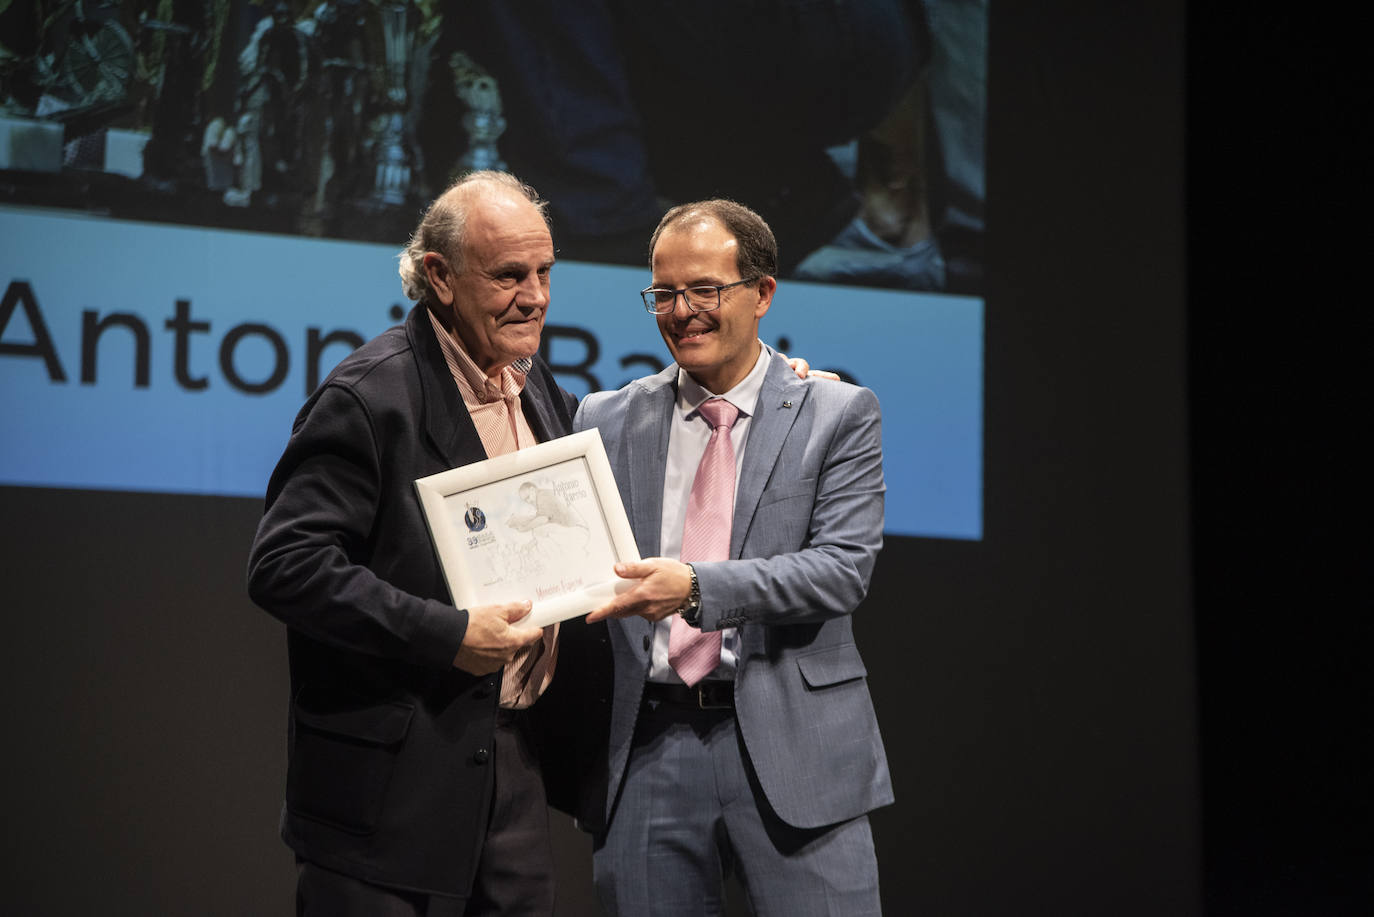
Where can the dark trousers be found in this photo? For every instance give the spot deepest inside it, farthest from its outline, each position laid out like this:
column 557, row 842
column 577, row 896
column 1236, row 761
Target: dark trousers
column 514, row 871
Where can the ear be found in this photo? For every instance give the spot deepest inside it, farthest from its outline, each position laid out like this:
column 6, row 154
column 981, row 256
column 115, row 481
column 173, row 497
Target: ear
column 767, row 287
column 439, row 276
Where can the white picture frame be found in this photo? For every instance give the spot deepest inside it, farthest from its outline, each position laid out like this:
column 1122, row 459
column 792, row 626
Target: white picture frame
column 544, row 523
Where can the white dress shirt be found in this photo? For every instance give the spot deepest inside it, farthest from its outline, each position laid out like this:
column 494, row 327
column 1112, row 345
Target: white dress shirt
column 687, row 439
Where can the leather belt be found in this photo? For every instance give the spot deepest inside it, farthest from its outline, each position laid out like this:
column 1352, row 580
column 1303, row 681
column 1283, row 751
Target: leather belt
column 706, row 695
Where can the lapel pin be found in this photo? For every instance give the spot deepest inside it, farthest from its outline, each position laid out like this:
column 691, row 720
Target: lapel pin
column 787, row 404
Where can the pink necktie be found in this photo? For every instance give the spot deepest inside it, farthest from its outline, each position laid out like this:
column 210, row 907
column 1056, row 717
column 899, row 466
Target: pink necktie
column 693, row 654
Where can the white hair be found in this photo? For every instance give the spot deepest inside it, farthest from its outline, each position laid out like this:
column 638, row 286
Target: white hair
column 442, row 227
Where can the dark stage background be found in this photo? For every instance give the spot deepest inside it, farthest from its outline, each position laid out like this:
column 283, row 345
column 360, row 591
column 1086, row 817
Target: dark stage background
column 1038, row 689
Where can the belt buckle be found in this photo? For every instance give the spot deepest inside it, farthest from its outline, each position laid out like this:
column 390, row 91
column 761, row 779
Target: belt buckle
column 702, row 702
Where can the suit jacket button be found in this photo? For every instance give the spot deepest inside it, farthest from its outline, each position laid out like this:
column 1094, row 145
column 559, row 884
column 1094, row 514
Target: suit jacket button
column 647, row 643
column 481, row 756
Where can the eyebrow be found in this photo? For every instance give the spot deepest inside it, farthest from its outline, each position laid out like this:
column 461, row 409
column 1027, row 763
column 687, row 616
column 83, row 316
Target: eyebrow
column 699, row 282
column 517, row 267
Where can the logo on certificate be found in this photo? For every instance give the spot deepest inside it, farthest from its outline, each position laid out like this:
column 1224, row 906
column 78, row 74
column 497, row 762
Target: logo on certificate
column 476, row 519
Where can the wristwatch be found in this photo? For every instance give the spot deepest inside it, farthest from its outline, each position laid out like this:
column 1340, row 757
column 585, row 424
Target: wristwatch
column 691, row 609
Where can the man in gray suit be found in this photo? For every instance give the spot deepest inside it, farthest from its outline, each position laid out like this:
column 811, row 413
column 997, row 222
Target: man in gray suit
column 743, row 737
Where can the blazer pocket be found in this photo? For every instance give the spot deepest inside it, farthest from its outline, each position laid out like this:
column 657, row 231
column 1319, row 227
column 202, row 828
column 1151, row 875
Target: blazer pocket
column 776, row 493
column 832, row 666
column 341, row 763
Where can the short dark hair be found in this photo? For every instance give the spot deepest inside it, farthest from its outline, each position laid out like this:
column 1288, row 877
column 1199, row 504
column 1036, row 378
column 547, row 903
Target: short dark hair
column 757, row 252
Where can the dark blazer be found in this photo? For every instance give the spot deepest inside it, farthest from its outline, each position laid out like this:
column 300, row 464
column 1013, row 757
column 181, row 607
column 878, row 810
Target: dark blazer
column 389, row 745
column 807, row 528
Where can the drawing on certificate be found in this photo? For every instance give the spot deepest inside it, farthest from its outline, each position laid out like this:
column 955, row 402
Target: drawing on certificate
column 544, row 524
column 531, row 536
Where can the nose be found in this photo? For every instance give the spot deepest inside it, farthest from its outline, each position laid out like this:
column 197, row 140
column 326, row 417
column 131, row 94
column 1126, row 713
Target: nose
column 533, row 291
column 682, row 311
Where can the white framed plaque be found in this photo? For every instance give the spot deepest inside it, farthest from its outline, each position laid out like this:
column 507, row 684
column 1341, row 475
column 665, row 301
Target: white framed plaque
column 544, row 523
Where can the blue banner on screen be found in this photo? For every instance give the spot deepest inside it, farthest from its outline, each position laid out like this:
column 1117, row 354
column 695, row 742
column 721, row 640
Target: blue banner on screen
column 136, row 356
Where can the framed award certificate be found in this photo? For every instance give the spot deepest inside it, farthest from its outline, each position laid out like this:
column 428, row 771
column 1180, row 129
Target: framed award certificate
column 544, row 523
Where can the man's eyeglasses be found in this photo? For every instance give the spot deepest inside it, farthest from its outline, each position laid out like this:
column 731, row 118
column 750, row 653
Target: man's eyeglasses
column 704, row 298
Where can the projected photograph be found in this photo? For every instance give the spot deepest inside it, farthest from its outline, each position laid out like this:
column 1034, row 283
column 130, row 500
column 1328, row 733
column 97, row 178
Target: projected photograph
column 856, row 130
column 238, row 177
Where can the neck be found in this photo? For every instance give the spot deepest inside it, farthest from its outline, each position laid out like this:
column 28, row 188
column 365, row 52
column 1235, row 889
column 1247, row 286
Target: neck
column 492, row 372
column 720, row 379
column 489, row 369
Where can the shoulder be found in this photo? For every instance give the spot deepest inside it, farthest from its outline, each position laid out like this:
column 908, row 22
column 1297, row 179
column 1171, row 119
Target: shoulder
column 833, row 394
column 598, row 406
column 597, row 402
column 828, row 396
column 378, row 375
column 594, row 409
column 374, row 363
column 834, row 410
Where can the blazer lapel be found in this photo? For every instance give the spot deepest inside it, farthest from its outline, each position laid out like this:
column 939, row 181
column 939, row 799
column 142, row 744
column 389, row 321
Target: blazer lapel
column 447, row 423
column 650, row 417
column 537, row 403
column 780, row 400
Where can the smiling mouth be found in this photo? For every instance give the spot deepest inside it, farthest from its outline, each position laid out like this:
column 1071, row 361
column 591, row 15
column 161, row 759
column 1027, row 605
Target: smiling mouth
column 688, row 335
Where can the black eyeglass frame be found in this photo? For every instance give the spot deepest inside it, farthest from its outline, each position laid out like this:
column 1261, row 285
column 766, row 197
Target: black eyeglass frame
column 651, row 307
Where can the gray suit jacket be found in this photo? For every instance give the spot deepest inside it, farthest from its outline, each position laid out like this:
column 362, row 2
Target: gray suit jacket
column 807, row 528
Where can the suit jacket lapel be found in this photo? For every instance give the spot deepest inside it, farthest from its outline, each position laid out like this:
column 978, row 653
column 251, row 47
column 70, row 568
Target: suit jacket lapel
column 447, row 423
column 536, row 403
column 650, row 417
column 779, row 402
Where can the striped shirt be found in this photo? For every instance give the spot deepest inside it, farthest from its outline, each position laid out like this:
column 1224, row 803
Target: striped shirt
column 502, row 427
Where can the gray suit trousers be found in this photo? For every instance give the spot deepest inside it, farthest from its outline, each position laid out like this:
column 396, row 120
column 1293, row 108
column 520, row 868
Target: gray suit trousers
column 701, row 815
